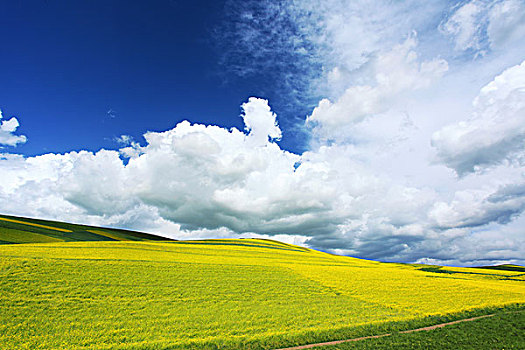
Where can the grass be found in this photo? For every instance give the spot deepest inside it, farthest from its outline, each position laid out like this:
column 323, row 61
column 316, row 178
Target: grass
column 502, row 331
column 224, row 294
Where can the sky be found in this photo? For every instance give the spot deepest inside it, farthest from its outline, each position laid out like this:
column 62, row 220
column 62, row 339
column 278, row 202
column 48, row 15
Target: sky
column 386, row 130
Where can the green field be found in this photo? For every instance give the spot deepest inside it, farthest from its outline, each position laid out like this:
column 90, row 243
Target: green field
column 142, row 293
column 506, row 330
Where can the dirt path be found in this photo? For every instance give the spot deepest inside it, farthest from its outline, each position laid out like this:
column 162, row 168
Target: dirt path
column 429, row 328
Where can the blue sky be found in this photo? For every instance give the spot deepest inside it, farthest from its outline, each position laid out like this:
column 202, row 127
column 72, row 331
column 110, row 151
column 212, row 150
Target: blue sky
column 391, row 130
column 79, row 74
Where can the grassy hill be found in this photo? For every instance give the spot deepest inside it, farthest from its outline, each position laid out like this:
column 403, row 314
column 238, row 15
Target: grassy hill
column 220, row 294
column 24, row 230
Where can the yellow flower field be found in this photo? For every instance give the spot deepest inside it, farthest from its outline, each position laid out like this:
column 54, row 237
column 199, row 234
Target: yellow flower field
column 227, row 294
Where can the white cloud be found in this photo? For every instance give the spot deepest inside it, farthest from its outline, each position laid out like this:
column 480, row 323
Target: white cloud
column 124, row 140
column 394, row 72
column 200, row 177
column 506, row 23
column 260, row 122
column 465, row 25
column 496, row 130
column 480, row 25
column 132, row 148
column 472, row 208
column 7, row 130
column 197, row 181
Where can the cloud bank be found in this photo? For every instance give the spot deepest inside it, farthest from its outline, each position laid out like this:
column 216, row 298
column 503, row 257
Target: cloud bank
column 415, row 153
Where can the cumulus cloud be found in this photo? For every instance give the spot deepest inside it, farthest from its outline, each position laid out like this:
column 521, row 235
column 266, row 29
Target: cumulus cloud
column 495, row 132
column 132, row 148
column 7, row 132
column 260, row 122
column 206, row 181
column 200, row 177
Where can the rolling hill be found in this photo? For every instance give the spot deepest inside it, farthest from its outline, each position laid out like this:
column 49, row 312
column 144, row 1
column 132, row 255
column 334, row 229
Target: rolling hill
column 24, row 230
column 127, row 290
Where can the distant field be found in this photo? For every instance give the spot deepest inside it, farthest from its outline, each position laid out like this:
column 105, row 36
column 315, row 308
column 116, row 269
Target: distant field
column 222, row 294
